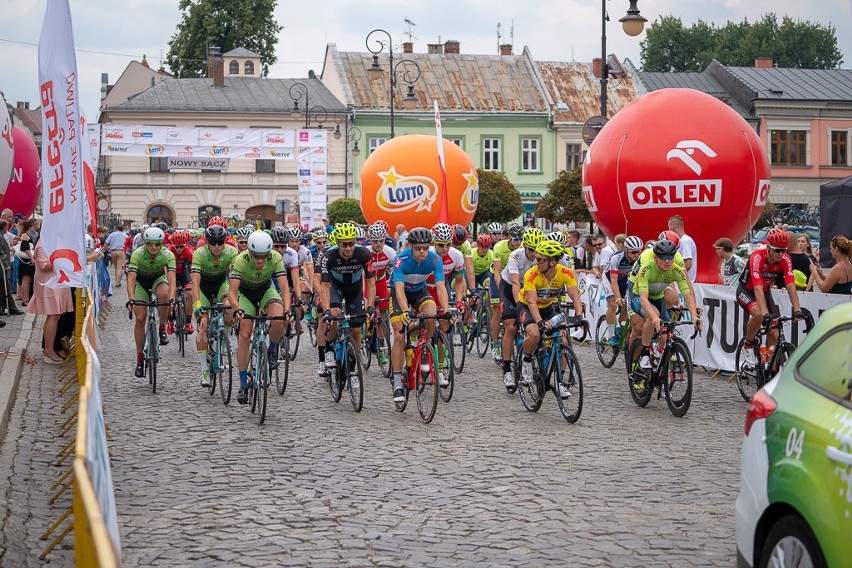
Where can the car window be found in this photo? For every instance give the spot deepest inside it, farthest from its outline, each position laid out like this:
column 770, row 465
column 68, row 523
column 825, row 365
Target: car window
column 813, row 234
column 829, row 365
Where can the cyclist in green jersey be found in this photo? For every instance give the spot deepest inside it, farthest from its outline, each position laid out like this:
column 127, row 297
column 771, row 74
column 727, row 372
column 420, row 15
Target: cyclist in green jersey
column 152, row 268
column 209, row 274
column 251, row 289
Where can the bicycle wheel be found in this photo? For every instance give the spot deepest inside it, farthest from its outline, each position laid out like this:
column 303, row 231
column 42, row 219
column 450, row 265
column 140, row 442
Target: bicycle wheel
column 354, row 378
column 607, row 354
column 180, row 327
column 213, row 367
column 426, row 385
column 567, row 383
column 364, row 354
column 748, row 381
column 457, row 339
column 283, row 361
column 383, row 346
column 151, row 356
column 444, row 364
column 261, row 383
column 531, row 393
column 295, row 327
column 638, row 379
column 677, row 378
column 336, row 381
column 312, row 330
column 780, row 358
column 226, row 369
column 483, row 335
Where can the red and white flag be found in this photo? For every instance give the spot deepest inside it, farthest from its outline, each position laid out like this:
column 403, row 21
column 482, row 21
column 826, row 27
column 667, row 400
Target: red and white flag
column 444, row 212
column 63, row 228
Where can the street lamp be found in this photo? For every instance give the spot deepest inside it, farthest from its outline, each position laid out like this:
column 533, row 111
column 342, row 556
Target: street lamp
column 410, row 72
column 633, row 23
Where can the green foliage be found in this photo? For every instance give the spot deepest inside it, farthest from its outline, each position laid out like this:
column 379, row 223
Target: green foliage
column 345, row 209
column 671, row 46
column 563, row 201
column 226, row 24
column 499, row 200
column 766, row 215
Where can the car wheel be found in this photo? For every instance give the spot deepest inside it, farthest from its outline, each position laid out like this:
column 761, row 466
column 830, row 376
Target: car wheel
column 791, row 544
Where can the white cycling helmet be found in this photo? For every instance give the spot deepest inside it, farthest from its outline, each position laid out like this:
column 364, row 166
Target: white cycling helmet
column 634, row 244
column 245, row 231
column 259, row 242
column 153, row 234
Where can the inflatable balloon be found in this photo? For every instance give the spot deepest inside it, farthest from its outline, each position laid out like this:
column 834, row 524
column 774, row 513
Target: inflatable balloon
column 401, row 183
column 7, row 147
column 25, row 187
column 678, row 152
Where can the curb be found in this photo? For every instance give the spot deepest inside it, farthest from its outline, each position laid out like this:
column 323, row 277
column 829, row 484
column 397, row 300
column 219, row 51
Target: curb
column 10, row 372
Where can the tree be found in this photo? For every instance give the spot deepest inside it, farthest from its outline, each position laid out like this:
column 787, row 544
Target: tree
column 671, row 46
column 226, row 24
column 765, row 218
column 563, row 201
column 499, row 200
column 345, row 209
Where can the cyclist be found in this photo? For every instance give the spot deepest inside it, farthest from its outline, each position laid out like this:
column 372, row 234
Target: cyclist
column 347, row 270
column 319, row 288
column 383, row 256
column 567, row 258
column 411, row 268
column 306, row 264
column 242, row 234
column 483, row 258
column 645, row 298
column 763, row 267
column 618, row 270
column 452, row 261
column 250, row 288
column 180, row 247
column 502, row 249
column 222, row 223
column 139, row 238
column 543, row 285
column 151, row 268
column 461, row 243
column 320, row 243
column 209, row 273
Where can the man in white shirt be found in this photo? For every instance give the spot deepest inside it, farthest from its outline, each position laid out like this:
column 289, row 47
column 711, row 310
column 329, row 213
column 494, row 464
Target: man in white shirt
column 115, row 244
column 687, row 247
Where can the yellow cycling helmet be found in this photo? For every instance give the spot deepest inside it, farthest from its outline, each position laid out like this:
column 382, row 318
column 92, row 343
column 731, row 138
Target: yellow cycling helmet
column 345, row 232
column 332, row 241
column 550, row 248
column 800, row 279
column 532, row 236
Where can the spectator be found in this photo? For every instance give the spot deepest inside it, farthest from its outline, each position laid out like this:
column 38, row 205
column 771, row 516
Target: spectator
column 839, row 279
column 50, row 302
column 401, row 235
column 687, row 247
column 572, row 241
column 115, row 245
column 590, row 250
column 7, row 302
column 26, row 271
column 805, row 244
column 800, row 259
column 732, row 264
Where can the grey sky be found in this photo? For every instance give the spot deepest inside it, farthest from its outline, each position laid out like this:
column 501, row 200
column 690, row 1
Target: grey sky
column 562, row 30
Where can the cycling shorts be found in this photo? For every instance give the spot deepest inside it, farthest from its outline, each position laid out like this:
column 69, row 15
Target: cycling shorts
column 416, row 300
column 350, row 299
column 525, row 317
column 508, row 305
column 483, row 279
column 634, row 304
column 211, row 293
column 746, row 299
column 251, row 298
column 494, row 291
column 142, row 290
column 382, row 293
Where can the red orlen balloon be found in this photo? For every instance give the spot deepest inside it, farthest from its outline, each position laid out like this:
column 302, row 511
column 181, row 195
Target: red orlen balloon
column 678, row 152
column 25, row 187
column 7, row 146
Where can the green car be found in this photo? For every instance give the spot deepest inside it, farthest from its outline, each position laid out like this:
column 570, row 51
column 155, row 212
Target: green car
column 795, row 502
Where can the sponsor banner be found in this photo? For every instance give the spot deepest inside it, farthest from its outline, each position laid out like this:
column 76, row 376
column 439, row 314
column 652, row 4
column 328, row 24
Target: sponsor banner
column 311, row 169
column 220, row 164
column 665, row 194
column 203, row 142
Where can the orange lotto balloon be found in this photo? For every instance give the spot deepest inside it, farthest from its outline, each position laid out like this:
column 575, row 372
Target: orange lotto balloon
column 401, row 183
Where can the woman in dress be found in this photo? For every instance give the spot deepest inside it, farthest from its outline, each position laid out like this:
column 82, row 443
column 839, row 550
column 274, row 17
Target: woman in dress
column 50, row 302
column 26, row 271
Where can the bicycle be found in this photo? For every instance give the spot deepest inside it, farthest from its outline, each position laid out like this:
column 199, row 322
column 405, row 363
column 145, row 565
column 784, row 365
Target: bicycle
column 151, row 350
column 348, row 373
column 555, row 368
column 480, row 333
column 179, row 321
column 375, row 336
column 607, row 354
column 258, row 371
column 669, row 371
column 749, row 381
column 311, row 319
column 219, row 364
column 294, row 328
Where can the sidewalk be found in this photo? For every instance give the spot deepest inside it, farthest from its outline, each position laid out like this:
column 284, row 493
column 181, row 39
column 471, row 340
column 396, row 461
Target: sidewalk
column 15, row 342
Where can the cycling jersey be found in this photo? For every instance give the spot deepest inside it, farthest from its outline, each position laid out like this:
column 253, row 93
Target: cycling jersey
column 382, row 261
column 482, row 263
column 647, row 257
column 653, row 280
column 414, row 274
column 252, row 278
column 453, row 265
column 502, row 252
column 548, row 291
column 759, row 272
column 518, row 263
column 303, row 255
column 465, row 249
column 619, row 265
column 150, row 270
column 344, row 272
column 213, row 271
column 183, row 259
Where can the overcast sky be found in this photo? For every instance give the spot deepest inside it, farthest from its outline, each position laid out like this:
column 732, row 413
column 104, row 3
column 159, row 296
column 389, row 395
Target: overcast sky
column 109, row 35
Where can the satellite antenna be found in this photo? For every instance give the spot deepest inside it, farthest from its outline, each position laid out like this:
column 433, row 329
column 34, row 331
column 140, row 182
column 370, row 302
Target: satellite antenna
column 408, row 32
column 499, row 37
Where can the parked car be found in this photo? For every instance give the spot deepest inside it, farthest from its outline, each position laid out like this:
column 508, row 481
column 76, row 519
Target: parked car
column 795, row 502
column 746, row 248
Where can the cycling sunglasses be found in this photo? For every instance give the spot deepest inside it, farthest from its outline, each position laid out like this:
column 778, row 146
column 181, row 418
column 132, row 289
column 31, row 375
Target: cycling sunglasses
column 442, row 244
column 345, row 244
column 665, row 257
column 243, row 243
column 320, row 243
column 420, row 248
column 153, row 244
column 779, row 250
column 259, row 255
column 216, row 243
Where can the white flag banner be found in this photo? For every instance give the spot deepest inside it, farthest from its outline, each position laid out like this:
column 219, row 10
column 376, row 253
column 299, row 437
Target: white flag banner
column 63, row 228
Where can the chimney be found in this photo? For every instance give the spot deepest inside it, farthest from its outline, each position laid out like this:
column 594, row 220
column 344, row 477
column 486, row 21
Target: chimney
column 104, row 86
column 505, row 49
column 451, row 46
column 597, row 67
column 215, row 67
column 408, row 47
column 763, row 63
column 23, row 104
column 435, row 48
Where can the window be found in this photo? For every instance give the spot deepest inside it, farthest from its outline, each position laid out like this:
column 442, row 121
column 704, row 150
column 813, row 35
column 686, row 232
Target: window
column 529, row 154
column 789, row 147
column 573, row 156
column 839, row 147
column 457, row 141
column 491, row 154
column 264, row 166
column 376, row 142
column 157, row 213
column 159, row 164
column 234, row 68
column 827, row 365
column 249, row 68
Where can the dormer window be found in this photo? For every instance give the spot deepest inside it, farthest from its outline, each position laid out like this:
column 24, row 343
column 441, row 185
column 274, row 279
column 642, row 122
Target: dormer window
column 234, row 68
column 249, row 68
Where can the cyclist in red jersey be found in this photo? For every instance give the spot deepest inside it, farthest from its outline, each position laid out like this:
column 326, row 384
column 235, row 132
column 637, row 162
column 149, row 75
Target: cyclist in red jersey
column 183, row 261
column 383, row 256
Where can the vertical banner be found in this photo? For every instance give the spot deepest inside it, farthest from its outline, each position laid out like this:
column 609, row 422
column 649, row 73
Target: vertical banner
column 444, row 212
column 63, row 228
column 312, row 166
column 90, row 164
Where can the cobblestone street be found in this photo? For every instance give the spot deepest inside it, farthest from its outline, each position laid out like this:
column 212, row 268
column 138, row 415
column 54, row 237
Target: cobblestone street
column 199, row 483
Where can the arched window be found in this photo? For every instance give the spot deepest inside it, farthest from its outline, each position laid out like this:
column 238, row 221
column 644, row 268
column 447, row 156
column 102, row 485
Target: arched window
column 249, row 68
column 234, row 68
column 205, row 212
column 157, row 213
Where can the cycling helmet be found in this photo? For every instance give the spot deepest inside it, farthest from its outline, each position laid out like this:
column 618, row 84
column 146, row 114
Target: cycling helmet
column 420, row 236
column 800, row 279
column 550, row 248
column 259, row 242
column 670, row 236
column 484, row 240
column 133, row 232
column 459, row 234
column 634, row 244
column 153, row 234
column 215, row 233
column 279, row 235
column 320, row 234
column 376, row 231
column 360, row 233
column 144, row 228
column 664, row 247
column 777, row 238
column 442, row 233
column 532, row 236
column 345, row 232
column 384, row 224
column 245, row 231
column 495, row 227
column 180, row 238
column 515, row 231
column 162, row 226
column 294, row 233
column 332, row 240
column 557, row 236
column 217, row 221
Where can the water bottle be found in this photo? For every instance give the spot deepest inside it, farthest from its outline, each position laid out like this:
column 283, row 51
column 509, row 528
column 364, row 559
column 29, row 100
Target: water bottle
column 409, row 357
column 558, row 319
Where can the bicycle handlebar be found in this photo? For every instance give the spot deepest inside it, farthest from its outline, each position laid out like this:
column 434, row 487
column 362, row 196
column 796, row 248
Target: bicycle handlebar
column 265, row 317
column 133, row 303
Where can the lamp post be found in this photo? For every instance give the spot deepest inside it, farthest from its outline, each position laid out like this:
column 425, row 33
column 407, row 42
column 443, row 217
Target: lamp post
column 352, row 133
column 410, row 72
column 632, row 23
